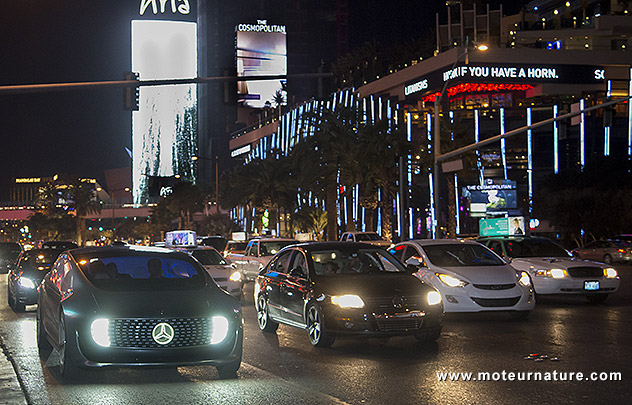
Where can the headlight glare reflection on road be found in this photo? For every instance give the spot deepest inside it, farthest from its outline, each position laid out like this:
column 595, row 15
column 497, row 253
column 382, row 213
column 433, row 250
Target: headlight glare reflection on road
column 100, row 331
column 434, row 298
column 219, row 329
column 347, row 301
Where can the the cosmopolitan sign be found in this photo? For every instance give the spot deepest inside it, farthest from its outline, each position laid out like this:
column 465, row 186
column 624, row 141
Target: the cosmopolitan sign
column 261, row 26
column 160, row 6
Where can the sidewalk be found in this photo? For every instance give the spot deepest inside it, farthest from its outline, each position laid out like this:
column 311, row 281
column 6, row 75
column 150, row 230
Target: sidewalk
column 10, row 390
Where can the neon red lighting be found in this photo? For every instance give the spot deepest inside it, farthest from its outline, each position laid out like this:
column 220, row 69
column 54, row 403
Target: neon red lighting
column 479, row 88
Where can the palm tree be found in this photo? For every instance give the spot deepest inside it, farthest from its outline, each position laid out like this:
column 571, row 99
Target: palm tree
column 81, row 198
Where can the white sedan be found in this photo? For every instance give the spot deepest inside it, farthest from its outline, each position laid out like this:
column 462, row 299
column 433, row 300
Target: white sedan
column 469, row 276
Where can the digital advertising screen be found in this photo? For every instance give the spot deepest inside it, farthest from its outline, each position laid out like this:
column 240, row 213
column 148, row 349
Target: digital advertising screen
column 261, row 51
column 164, row 129
column 493, row 197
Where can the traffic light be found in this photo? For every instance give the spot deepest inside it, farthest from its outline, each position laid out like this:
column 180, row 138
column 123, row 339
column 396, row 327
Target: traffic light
column 130, row 93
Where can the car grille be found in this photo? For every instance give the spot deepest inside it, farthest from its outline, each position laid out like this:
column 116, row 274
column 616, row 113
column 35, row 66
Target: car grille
column 398, row 325
column 136, row 333
column 586, row 271
column 496, row 302
column 395, row 302
column 495, row 286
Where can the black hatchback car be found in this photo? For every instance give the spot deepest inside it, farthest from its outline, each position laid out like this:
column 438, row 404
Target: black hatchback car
column 25, row 276
column 345, row 288
column 136, row 306
column 9, row 252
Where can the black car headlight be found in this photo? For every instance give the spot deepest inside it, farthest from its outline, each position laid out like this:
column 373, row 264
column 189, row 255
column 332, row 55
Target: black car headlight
column 219, row 330
column 100, row 331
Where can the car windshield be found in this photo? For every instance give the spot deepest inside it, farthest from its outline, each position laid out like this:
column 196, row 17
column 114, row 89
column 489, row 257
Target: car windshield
column 39, row 259
column 461, row 255
column 535, row 248
column 236, row 246
column 622, row 243
column 208, row 257
column 367, row 237
column 335, row 262
column 272, row 247
column 140, row 272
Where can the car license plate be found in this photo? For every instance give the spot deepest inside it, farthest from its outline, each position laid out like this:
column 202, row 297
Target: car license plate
column 591, row 285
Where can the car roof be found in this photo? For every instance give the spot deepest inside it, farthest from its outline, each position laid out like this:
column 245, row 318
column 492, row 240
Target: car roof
column 430, row 242
column 129, row 250
column 512, row 237
column 314, row 246
column 269, row 239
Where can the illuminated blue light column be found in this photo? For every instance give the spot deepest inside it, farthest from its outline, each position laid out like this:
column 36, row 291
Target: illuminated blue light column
column 630, row 117
column 582, row 135
column 409, row 168
column 430, row 177
column 530, row 161
column 556, row 143
column 479, row 164
column 606, row 129
column 456, row 197
column 503, row 153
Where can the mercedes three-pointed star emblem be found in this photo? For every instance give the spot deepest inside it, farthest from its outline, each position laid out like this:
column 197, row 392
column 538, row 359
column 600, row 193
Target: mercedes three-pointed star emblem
column 163, row 333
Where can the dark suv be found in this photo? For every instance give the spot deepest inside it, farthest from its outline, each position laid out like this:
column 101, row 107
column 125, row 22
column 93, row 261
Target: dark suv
column 9, row 252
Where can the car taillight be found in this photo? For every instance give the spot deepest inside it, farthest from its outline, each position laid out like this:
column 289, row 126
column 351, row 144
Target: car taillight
column 621, row 251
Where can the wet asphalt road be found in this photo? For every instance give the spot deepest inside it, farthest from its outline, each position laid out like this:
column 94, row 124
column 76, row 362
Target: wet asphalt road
column 285, row 369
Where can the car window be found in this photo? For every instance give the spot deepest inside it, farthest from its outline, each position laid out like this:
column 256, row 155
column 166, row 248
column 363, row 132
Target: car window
column 354, row 261
column 299, row 263
column 496, row 247
column 282, row 263
column 208, row 257
column 143, row 272
column 397, row 251
column 461, row 255
column 534, row 248
column 268, row 248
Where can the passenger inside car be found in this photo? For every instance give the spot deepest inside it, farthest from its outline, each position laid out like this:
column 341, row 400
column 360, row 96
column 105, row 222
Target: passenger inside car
column 155, row 268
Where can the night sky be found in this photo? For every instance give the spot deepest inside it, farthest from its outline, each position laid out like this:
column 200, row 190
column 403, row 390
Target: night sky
column 82, row 133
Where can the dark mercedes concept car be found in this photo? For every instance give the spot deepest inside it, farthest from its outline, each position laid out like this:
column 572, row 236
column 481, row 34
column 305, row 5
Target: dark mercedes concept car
column 136, row 306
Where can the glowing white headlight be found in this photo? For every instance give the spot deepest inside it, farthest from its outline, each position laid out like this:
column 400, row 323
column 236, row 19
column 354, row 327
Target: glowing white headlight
column 26, row 283
column 220, row 329
column 434, row 298
column 236, row 276
column 451, row 281
column 524, row 280
column 100, row 330
column 610, row 273
column 347, row 301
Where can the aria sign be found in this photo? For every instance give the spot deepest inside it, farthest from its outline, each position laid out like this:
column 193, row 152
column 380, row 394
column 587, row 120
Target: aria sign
column 177, row 6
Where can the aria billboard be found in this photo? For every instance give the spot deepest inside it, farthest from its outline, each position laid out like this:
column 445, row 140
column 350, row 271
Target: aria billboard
column 164, row 129
column 261, row 51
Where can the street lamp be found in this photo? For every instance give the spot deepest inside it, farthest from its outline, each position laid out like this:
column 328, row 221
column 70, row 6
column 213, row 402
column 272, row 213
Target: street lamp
column 437, row 141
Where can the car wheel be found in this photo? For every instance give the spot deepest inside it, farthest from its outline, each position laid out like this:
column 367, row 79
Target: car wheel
column 519, row 314
column 43, row 344
column 607, row 259
column 318, row 335
column 263, row 317
column 15, row 304
column 597, row 298
column 66, row 368
column 9, row 297
column 229, row 370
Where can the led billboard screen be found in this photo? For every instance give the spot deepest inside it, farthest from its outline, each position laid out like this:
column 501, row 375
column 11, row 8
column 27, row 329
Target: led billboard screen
column 261, row 51
column 164, row 130
column 492, row 197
